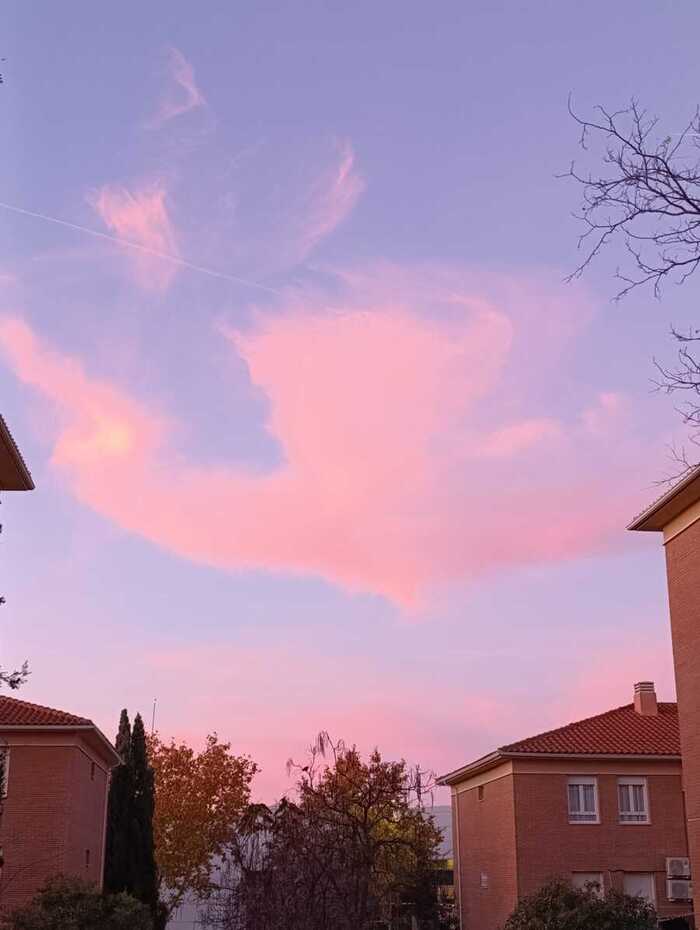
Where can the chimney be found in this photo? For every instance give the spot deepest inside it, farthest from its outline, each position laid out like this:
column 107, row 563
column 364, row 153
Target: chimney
column 645, row 699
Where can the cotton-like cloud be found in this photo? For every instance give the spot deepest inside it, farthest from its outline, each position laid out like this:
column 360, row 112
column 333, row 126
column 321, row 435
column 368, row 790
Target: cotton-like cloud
column 182, row 95
column 407, row 460
column 141, row 219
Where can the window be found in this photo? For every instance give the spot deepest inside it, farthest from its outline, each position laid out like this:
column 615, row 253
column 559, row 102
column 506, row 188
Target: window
column 632, row 799
column 92, row 771
column 87, row 858
column 583, row 800
column 586, row 879
column 480, row 792
column 640, row 885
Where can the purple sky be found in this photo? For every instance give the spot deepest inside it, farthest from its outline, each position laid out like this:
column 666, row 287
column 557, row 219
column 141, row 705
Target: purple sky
column 330, row 444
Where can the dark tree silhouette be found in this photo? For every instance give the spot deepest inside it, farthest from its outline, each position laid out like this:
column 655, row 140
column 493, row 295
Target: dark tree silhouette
column 644, row 191
column 355, row 849
column 558, row 906
column 130, row 858
column 117, row 862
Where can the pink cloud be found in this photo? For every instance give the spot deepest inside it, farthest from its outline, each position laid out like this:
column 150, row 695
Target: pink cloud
column 142, row 220
column 183, row 94
column 272, row 699
column 332, row 199
column 509, row 440
column 407, row 461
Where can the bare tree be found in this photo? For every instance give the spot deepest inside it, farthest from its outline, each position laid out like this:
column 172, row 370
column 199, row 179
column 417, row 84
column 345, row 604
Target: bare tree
column 645, row 193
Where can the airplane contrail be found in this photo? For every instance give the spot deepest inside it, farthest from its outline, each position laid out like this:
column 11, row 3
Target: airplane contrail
column 141, row 248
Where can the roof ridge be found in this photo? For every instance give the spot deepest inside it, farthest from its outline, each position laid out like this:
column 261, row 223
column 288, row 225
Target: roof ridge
column 32, row 705
column 510, row 747
column 565, row 726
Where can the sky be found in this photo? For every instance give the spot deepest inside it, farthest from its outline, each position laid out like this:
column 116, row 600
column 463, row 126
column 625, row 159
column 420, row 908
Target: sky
column 321, row 436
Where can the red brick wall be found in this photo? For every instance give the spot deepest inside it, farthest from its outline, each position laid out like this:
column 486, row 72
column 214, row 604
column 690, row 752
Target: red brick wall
column 34, row 820
column 683, row 569
column 53, row 812
column 549, row 846
column 487, row 845
column 86, row 819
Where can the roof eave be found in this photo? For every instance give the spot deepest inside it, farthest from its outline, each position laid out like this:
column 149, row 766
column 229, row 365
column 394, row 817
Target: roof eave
column 19, row 478
column 110, row 752
column 503, row 755
column 472, row 768
column 597, row 756
column 670, row 505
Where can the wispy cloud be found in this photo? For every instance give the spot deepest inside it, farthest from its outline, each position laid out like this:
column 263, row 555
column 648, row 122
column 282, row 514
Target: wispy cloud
column 182, row 94
column 407, row 463
column 331, row 200
column 141, row 216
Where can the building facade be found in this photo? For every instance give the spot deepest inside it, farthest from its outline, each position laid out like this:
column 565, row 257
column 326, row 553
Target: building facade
column 56, row 779
column 597, row 801
column 677, row 516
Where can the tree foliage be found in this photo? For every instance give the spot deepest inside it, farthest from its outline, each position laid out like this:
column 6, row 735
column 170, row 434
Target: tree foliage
column 199, row 800
column 70, row 904
column 354, row 850
column 129, row 856
column 558, row 906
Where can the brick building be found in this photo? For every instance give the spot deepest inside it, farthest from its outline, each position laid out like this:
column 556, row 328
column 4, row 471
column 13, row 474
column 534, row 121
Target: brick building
column 57, row 770
column 598, row 800
column 677, row 516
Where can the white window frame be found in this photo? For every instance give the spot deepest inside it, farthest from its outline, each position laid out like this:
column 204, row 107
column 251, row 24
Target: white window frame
column 595, row 878
column 652, row 882
column 633, row 817
column 582, row 816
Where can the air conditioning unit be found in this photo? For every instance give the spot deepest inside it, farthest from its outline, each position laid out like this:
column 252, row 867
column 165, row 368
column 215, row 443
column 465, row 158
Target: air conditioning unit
column 677, row 867
column 679, row 889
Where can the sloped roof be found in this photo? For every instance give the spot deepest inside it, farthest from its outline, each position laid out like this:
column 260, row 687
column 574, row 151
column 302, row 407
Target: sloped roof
column 684, row 493
column 14, row 474
column 21, row 715
column 617, row 732
column 16, row 713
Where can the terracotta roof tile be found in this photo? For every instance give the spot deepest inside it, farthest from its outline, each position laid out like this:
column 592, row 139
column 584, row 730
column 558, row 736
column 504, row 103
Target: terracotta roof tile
column 15, row 713
column 616, row 732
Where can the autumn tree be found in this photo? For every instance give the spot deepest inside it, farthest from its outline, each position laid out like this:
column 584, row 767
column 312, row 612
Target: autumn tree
column 353, row 848
column 640, row 187
column 200, row 797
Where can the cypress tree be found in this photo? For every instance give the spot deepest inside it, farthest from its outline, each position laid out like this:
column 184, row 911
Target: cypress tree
column 144, row 875
column 130, row 857
column 119, row 803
